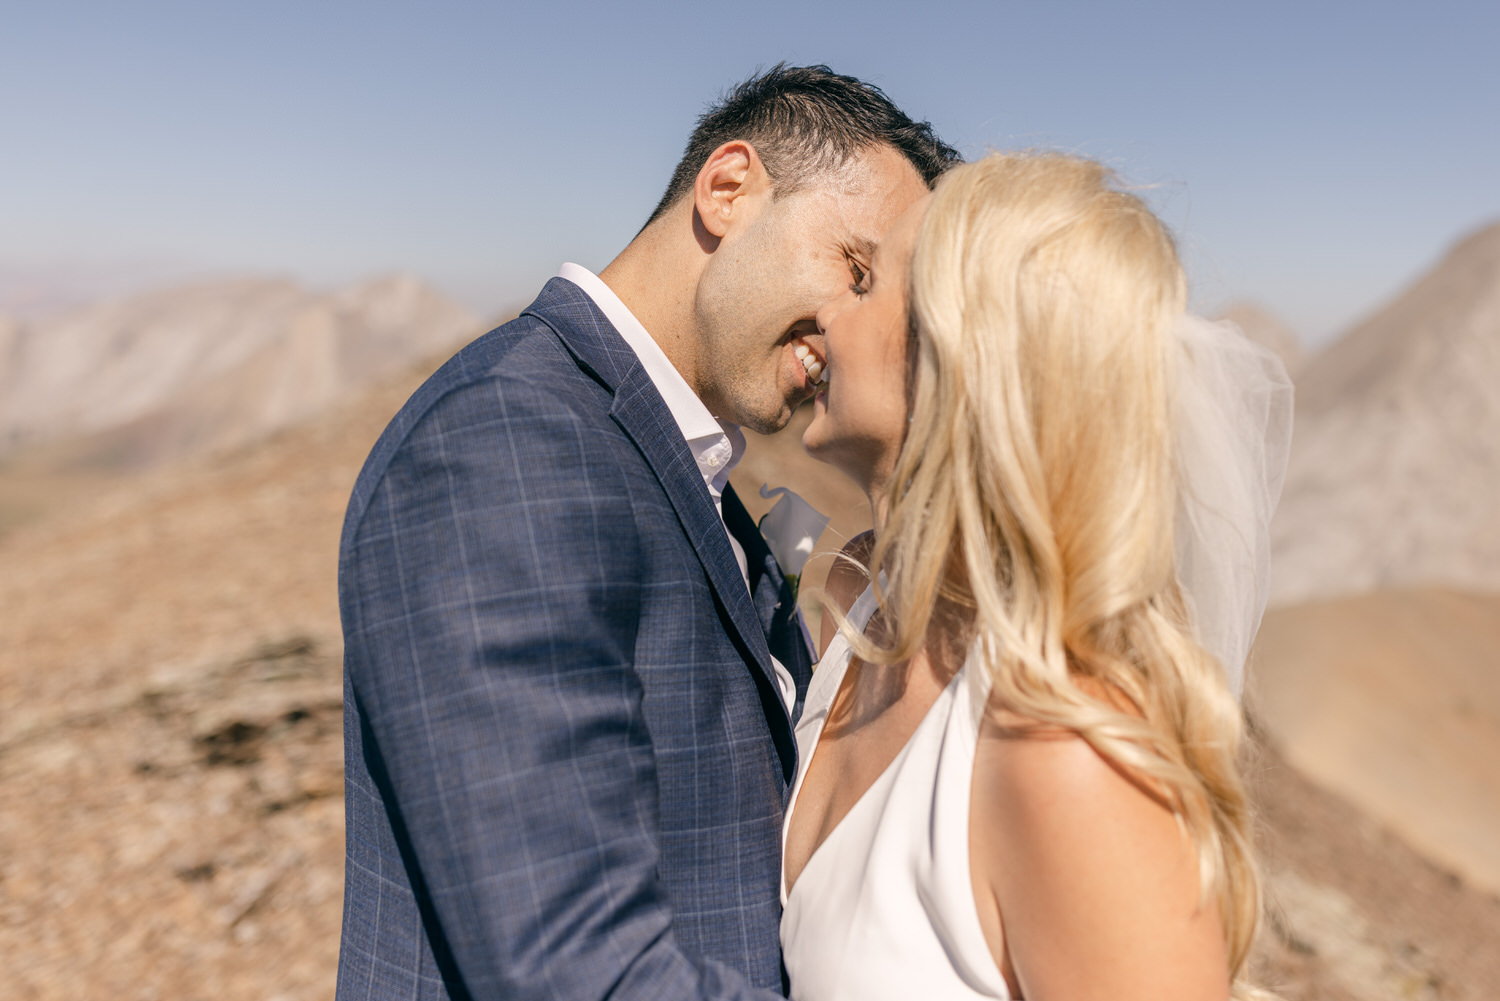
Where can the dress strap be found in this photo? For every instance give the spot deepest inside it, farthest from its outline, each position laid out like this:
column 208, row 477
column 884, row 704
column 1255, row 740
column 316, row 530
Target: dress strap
column 977, row 683
column 829, row 673
column 863, row 608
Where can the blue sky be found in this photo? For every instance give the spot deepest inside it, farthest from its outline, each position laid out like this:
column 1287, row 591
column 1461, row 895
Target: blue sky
column 1311, row 156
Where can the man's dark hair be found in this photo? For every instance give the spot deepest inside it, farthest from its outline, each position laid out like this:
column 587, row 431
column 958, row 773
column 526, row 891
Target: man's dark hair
column 803, row 121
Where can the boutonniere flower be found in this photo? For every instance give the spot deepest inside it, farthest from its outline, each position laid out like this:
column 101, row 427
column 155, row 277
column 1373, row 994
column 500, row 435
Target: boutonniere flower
column 791, row 528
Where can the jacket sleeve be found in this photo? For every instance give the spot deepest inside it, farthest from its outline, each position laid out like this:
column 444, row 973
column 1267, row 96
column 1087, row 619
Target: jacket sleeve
column 491, row 594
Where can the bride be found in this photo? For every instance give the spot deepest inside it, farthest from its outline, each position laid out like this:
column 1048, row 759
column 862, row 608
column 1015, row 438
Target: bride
column 1020, row 746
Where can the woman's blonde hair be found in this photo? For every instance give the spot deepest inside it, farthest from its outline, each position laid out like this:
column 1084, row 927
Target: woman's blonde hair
column 1033, row 500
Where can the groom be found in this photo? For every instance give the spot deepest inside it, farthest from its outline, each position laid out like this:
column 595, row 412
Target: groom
column 571, row 664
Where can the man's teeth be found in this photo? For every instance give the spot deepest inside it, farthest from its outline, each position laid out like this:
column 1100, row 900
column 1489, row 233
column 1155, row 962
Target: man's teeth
column 810, row 363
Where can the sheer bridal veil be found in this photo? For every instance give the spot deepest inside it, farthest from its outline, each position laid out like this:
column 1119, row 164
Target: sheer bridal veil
column 1233, row 423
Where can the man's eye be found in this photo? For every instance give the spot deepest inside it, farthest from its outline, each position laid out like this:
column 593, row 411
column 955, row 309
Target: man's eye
column 858, row 286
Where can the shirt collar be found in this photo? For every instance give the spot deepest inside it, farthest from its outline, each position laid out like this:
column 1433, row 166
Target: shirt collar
column 716, row 445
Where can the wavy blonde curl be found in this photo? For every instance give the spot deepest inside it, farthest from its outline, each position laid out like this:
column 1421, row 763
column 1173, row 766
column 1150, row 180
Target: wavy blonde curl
column 1033, row 500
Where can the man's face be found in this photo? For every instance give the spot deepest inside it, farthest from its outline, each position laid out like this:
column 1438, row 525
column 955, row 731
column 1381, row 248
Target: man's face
column 761, row 289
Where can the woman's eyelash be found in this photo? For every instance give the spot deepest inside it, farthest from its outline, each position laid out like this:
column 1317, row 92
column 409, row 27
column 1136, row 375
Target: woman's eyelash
column 858, row 285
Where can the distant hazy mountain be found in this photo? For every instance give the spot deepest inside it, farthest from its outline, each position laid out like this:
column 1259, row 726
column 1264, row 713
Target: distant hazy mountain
column 10, row 340
column 211, row 364
column 1395, row 472
column 1265, row 329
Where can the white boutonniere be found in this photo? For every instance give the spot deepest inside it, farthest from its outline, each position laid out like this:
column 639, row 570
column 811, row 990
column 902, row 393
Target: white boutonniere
column 791, row 528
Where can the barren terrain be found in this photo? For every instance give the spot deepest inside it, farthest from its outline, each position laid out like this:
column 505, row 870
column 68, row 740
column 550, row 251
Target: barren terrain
column 170, row 756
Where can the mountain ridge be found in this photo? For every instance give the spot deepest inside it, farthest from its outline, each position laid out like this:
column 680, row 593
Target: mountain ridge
column 212, row 363
column 1396, row 452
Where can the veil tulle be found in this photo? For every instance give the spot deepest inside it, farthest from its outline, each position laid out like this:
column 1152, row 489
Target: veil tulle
column 1233, row 422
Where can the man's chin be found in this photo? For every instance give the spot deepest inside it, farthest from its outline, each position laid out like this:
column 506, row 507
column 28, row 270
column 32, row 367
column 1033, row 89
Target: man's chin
column 764, row 425
column 773, row 415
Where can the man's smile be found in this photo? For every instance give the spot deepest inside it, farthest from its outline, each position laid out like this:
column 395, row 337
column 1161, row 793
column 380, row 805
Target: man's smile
column 812, row 360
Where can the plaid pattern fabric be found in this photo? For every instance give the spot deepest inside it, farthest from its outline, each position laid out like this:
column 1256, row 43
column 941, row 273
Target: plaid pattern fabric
column 566, row 756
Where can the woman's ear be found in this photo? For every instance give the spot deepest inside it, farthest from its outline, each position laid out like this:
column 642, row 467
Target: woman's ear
column 730, row 178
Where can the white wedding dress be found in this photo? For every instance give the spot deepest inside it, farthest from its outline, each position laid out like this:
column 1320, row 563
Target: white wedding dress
column 884, row 909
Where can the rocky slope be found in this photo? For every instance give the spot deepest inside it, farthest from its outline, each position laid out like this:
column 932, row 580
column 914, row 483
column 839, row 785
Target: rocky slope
column 1396, row 463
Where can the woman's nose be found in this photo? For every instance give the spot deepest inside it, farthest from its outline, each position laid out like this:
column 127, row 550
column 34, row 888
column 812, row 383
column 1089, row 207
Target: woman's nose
column 833, row 307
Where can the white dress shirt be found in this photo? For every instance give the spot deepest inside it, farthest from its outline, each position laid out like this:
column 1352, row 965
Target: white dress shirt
column 716, row 445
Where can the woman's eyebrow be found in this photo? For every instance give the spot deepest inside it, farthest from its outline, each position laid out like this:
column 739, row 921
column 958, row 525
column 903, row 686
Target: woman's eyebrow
column 861, row 248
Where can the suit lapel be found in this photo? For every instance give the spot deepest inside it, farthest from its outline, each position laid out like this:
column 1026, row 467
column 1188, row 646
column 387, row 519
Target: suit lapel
column 642, row 414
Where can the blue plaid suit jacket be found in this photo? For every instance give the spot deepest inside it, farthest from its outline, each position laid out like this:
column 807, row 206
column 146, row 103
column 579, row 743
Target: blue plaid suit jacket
column 566, row 757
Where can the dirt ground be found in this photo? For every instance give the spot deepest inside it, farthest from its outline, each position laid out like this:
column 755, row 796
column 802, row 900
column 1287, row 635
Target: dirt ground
column 1354, row 913
column 171, row 818
column 1393, row 698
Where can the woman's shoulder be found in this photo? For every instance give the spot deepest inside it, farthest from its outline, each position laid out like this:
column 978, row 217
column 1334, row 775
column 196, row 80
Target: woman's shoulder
column 1047, row 771
column 1045, row 775
column 1080, row 849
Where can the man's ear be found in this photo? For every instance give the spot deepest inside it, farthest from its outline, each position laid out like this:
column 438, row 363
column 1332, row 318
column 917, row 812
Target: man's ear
column 731, row 172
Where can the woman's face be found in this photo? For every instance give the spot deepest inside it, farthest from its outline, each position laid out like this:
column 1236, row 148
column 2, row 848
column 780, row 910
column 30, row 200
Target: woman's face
column 859, row 415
